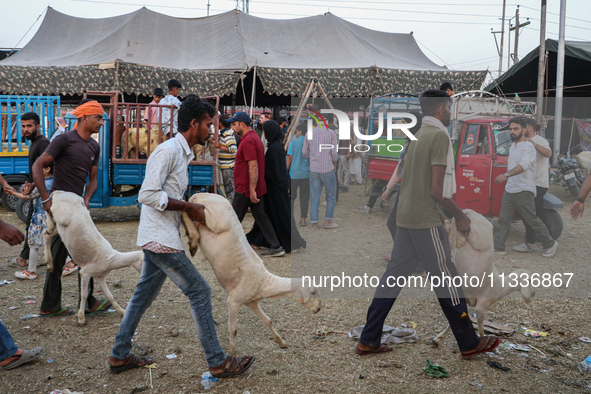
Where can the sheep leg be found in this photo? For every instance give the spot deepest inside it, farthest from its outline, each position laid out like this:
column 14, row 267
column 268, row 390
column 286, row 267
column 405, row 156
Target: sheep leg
column 256, row 308
column 480, row 312
column 103, row 284
column 438, row 340
column 233, row 325
column 48, row 234
column 192, row 233
column 85, row 280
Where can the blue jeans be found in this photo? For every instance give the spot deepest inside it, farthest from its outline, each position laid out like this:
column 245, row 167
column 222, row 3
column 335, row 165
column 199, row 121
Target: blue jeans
column 177, row 266
column 7, row 346
column 329, row 181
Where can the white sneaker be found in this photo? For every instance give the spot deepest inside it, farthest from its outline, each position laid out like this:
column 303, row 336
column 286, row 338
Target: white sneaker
column 365, row 209
column 25, row 275
column 524, row 248
column 500, row 252
column 550, row 251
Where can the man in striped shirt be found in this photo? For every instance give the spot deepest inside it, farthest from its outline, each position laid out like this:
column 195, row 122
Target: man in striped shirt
column 321, row 148
column 227, row 156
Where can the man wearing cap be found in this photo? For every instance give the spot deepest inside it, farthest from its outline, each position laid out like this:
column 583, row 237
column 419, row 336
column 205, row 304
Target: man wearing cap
column 152, row 116
column 249, row 180
column 447, row 88
column 174, row 89
column 75, row 156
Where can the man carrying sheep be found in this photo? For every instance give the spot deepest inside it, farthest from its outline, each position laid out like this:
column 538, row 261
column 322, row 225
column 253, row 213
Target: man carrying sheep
column 162, row 202
column 75, row 155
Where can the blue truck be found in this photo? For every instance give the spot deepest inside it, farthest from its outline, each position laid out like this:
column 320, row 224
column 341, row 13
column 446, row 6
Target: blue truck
column 119, row 176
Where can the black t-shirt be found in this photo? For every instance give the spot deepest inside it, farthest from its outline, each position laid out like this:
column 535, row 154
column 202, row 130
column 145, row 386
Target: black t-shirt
column 73, row 157
column 38, row 146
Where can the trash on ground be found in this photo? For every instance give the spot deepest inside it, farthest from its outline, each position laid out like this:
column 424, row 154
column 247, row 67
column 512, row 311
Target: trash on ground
column 478, row 385
column 27, row 317
column 111, row 310
column 5, row 282
column 13, row 308
column 495, row 364
column 586, row 364
column 494, row 355
column 31, row 302
column 534, row 334
column 435, row 371
column 492, row 327
column 585, row 339
column 171, row 356
column 208, row 381
column 390, row 335
column 522, row 348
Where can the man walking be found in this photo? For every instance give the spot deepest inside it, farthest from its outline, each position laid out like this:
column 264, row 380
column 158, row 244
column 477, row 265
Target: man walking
column 543, row 154
column 30, row 129
column 421, row 237
column 174, row 89
column 520, row 192
column 249, row 181
column 322, row 172
column 162, row 202
column 299, row 172
column 75, row 156
column 227, row 156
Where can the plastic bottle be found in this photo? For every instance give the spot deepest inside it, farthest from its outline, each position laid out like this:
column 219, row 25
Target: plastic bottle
column 586, row 364
column 208, row 381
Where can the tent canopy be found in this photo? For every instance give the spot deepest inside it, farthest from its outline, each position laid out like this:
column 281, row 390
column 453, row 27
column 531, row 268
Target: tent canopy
column 347, row 58
column 522, row 78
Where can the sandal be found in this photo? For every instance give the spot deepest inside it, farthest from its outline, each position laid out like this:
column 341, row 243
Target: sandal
column 26, row 357
column 103, row 306
column 382, row 349
column 62, row 312
column 68, row 271
column 235, row 366
column 487, row 344
column 132, row 362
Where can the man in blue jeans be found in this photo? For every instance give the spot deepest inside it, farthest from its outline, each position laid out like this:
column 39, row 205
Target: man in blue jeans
column 162, row 198
column 323, row 155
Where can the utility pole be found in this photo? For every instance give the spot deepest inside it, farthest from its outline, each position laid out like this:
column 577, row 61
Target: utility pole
column 502, row 36
column 541, row 66
column 242, row 5
column 207, row 7
column 516, row 28
column 559, row 82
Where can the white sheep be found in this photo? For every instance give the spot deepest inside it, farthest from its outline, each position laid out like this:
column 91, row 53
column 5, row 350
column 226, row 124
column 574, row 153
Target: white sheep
column 474, row 257
column 238, row 268
column 87, row 247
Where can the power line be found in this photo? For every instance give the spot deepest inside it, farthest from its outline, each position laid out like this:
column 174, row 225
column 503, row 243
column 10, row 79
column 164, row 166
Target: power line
column 553, row 13
column 444, row 62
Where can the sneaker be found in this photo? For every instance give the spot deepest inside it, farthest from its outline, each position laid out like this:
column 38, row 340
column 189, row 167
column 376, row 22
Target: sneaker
column 274, row 252
column 365, row 209
column 550, row 251
column 524, row 248
column 25, row 275
column 500, row 252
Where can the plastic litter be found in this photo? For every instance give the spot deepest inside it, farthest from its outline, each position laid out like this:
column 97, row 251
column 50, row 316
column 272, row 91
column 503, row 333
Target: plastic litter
column 478, row 385
column 585, row 339
column 31, row 302
column 27, row 317
column 435, row 371
column 495, row 364
column 171, row 356
column 13, row 308
column 5, row 282
column 586, row 364
column 50, row 361
column 534, row 334
column 208, row 381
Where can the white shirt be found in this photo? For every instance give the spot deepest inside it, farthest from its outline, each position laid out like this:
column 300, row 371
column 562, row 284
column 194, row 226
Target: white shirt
column 542, row 163
column 170, row 100
column 167, row 176
column 523, row 154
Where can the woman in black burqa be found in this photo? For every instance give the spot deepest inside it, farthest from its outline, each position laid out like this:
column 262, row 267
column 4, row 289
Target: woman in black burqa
column 277, row 202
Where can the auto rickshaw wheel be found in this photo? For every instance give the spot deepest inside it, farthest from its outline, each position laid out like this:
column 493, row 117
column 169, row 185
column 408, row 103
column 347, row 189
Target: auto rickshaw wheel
column 554, row 223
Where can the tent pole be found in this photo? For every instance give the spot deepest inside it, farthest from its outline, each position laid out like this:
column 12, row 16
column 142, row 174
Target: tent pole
column 324, row 96
column 559, row 82
column 541, row 68
column 296, row 118
column 254, row 85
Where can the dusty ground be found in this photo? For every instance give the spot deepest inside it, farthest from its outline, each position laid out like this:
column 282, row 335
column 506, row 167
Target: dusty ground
column 308, row 365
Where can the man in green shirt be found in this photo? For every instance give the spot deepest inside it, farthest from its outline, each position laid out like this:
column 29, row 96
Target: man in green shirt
column 428, row 180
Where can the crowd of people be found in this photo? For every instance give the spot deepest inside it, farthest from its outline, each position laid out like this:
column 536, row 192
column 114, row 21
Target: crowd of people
column 261, row 178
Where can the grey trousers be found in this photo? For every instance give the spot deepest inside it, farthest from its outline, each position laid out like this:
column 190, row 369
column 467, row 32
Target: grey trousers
column 228, row 178
column 343, row 171
column 524, row 203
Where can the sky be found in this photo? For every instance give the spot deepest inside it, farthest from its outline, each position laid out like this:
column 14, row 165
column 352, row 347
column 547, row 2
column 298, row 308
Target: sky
column 455, row 33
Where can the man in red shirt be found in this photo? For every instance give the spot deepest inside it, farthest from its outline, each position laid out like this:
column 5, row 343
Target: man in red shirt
column 249, row 180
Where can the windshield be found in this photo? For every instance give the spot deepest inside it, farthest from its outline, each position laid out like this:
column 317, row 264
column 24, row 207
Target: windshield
column 502, row 138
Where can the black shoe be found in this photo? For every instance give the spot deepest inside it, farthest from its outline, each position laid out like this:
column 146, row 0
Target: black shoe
column 274, row 252
column 344, row 189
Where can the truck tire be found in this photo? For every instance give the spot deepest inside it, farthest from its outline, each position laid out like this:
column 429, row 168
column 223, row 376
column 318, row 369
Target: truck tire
column 22, row 209
column 391, row 200
column 554, row 222
column 9, row 201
